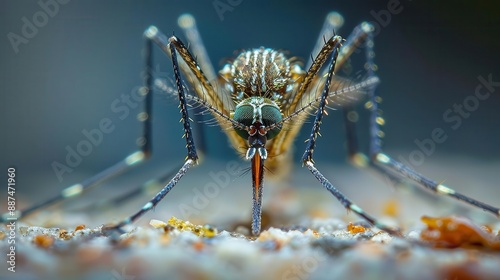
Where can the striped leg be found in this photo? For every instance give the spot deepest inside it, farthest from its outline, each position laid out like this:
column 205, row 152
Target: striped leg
column 144, row 152
column 383, row 163
column 361, row 35
column 192, row 155
column 188, row 25
column 333, row 21
column 307, row 158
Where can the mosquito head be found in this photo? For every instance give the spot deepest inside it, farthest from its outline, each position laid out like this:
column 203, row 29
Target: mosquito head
column 256, row 113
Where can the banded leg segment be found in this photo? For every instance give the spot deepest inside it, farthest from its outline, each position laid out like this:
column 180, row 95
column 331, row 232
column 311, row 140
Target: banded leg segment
column 145, row 189
column 307, row 158
column 144, row 152
column 192, row 156
column 383, row 163
column 188, row 25
column 357, row 158
column 402, row 170
column 333, row 22
column 347, row 203
column 155, row 200
column 362, row 35
column 80, row 188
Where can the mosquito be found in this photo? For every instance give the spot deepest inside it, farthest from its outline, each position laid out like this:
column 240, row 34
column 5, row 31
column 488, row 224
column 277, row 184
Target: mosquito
column 262, row 99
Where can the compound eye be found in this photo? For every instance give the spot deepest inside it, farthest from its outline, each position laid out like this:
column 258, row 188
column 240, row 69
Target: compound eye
column 270, row 116
column 244, row 115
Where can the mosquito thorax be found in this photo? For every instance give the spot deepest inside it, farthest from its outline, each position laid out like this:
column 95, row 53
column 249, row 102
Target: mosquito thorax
column 262, row 72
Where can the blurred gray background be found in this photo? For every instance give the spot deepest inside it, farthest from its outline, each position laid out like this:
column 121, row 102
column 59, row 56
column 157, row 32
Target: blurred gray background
column 65, row 78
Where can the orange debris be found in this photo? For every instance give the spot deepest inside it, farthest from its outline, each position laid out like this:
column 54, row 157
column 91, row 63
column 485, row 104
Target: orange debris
column 453, row 232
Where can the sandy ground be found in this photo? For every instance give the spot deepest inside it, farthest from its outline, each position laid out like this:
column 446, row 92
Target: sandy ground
column 306, row 233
